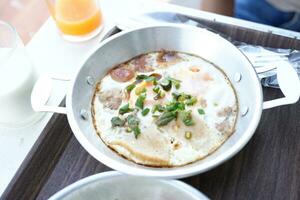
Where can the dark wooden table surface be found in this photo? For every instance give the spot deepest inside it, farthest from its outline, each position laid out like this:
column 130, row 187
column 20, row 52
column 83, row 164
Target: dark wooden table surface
column 268, row 167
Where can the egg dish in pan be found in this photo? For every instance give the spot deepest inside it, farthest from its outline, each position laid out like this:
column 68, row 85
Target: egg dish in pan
column 165, row 109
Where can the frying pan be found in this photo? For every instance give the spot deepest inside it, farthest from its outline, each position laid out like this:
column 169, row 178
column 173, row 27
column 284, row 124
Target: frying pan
column 128, row 44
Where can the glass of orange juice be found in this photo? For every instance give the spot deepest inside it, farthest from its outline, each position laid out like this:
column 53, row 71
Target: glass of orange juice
column 77, row 20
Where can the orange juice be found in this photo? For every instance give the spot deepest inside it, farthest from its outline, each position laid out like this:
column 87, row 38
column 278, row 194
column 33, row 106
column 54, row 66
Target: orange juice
column 77, row 17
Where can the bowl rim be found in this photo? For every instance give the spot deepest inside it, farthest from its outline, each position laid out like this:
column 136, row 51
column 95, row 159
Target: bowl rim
column 177, row 172
column 196, row 194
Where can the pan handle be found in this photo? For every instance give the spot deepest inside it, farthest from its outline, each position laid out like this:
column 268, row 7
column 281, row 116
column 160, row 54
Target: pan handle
column 289, row 84
column 41, row 93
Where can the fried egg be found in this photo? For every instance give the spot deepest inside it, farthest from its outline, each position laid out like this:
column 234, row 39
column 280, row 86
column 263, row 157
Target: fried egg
column 159, row 141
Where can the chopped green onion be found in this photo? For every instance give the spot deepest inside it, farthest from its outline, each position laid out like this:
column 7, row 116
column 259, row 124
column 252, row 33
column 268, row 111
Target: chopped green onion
column 140, row 90
column 132, row 120
column 191, row 101
column 157, row 107
column 166, row 118
column 133, row 123
column 117, row 121
column 201, row 111
column 137, row 131
column 150, row 79
column 128, row 130
column 175, row 82
column 129, row 88
column 160, row 95
column 177, row 85
column 181, row 98
column 188, row 135
column 180, row 106
column 171, row 106
column 166, row 84
column 175, row 95
column 145, row 111
column 140, row 101
column 125, row 109
column 188, row 122
column 156, row 89
column 155, row 82
column 175, row 106
column 141, row 77
column 186, row 117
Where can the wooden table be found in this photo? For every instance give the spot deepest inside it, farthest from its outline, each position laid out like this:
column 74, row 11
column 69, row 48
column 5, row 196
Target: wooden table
column 267, row 168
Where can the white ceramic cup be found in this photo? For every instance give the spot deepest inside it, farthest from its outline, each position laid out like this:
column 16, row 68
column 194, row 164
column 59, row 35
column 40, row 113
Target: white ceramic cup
column 17, row 77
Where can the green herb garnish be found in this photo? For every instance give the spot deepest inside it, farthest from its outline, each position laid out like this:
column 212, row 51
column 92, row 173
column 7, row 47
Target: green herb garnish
column 157, row 107
column 177, row 85
column 128, row 130
column 141, row 77
column 160, row 95
column 132, row 120
column 188, row 135
column 201, row 111
column 147, row 78
column 175, row 82
column 175, row 106
column 156, row 89
column 125, row 109
column 140, row 101
column 191, row 101
column 166, row 118
column 180, row 106
column 137, row 131
column 117, row 121
column 129, row 88
column 186, row 117
column 145, row 111
column 181, row 97
column 189, row 122
column 175, row 95
column 133, row 123
column 140, row 90
column 150, row 79
column 166, row 84
column 172, row 106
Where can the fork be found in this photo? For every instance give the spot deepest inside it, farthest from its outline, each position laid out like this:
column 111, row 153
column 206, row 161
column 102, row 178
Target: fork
column 265, row 64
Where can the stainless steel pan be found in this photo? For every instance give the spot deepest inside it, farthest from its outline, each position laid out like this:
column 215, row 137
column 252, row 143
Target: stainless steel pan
column 125, row 45
column 114, row 185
